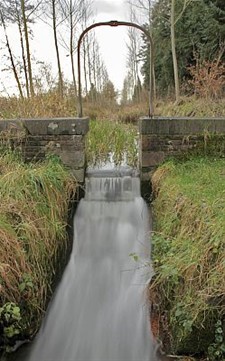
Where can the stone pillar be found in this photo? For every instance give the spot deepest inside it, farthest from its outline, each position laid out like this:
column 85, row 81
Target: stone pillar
column 164, row 137
column 64, row 137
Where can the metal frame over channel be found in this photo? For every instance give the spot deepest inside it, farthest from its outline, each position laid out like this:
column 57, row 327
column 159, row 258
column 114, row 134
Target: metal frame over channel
column 115, row 23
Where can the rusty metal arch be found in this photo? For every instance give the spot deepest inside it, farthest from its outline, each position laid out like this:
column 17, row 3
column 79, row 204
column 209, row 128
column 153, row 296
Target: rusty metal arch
column 115, row 23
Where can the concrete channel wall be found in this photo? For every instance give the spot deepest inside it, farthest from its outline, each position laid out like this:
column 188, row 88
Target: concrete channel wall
column 160, row 138
column 164, row 137
column 64, row 137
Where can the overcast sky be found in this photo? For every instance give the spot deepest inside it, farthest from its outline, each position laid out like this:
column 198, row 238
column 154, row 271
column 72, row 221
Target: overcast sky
column 113, row 40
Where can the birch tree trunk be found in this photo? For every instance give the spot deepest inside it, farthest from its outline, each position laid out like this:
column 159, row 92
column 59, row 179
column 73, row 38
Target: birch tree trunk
column 85, row 65
column 27, row 43
column 60, row 77
column 11, row 56
column 23, row 55
column 71, row 48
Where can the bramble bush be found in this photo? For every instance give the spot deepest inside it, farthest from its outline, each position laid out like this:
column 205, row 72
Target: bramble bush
column 208, row 79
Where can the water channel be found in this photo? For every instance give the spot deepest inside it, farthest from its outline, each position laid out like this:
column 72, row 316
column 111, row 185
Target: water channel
column 100, row 310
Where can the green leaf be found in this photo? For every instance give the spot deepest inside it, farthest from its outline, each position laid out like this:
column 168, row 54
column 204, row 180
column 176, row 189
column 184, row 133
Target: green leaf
column 22, row 286
column 11, row 331
column 16, row 313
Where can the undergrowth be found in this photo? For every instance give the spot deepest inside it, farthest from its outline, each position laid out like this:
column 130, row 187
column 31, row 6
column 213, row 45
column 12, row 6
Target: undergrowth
column 43, row 105
column 189, row 254
column 34, row 202
column 52, row 105
column 112, row 140
column 191, row 106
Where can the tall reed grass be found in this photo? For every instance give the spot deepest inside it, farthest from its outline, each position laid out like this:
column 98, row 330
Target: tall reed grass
column 189, row 253
column 34, row 203
column 112, row 140
column 52, row 105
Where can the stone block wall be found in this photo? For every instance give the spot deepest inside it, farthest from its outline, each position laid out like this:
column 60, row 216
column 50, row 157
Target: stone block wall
column 64, row 137
column 164, row 137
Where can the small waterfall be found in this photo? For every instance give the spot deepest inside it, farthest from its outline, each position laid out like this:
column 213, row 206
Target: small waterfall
column 100, row 311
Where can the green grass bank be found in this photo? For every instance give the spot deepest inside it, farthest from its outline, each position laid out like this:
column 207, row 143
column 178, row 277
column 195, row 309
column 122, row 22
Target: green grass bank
column 34, row 202
column 188, row 289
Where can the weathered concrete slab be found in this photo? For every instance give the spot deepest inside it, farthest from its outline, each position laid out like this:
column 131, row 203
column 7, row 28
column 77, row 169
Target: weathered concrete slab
column 163, row 137
column 14, row 125
column 64, row 137
column 56, row 126
column 180, row 125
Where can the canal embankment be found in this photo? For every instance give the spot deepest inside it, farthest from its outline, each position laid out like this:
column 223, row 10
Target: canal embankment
column 187, row 292
column 35, row 201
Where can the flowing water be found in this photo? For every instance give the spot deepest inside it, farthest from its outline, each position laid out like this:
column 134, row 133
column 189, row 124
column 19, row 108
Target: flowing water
column 100, row 311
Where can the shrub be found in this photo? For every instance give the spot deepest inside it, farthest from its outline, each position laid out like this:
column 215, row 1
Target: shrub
column 208, row 78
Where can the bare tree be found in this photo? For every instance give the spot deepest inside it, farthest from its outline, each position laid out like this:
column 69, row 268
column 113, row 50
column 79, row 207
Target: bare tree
column 72, row 13
column 133, row 48
column 16, row 76
column 103, row 75
column 51, row 15
column 87, row 43
column 173, row 20
column 21, row 12
column 27, row 42
column 141, row 12
column 125, row 92
column 86, row 57
column 68, row 19
column 99, row 73
column 128, row 88
column 95, row 73
column 54, row 26
column 18, row 18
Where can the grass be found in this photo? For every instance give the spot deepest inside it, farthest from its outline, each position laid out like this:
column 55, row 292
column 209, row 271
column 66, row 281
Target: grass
column 33, row 239
column 43, row 105
column 191, row 107
column 189, row 208
column 34, row 208
column 189, row 253
column 51, row 105
column 108, row 139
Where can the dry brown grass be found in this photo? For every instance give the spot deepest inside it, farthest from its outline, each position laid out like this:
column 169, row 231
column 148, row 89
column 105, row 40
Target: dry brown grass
column 191, row 106
column 51, row 105
column 44, row 105
column 33, row 238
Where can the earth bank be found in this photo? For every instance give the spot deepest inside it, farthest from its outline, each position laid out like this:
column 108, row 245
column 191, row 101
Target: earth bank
column 187, row 291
